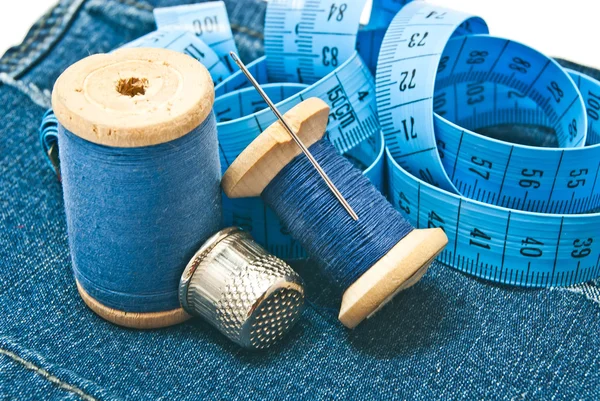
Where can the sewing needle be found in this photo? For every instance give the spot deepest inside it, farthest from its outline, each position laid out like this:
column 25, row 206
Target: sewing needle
column 304, row 149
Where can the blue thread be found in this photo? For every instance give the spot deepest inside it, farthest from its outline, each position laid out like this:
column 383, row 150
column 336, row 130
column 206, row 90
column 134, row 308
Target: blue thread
column 345, row 249
column 135, row 216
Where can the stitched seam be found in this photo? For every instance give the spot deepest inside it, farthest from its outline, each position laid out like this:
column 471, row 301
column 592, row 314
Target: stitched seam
column 32, row 40
column 26, row 44
column 47, row 375
column 136, row 4
column 247, row 31
column 29, row 44
column 61, row 26
column 65, row 20
column 580, row 290
column 38, row 96
column 63, row 17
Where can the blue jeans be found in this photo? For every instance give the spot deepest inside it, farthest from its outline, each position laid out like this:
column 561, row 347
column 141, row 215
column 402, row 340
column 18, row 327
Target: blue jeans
column 448, row 337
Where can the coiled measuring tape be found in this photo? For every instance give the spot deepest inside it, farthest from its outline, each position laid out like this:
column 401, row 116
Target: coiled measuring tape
column 498, row 202
column 478, row 189
column 306, row 40
column 349, row 90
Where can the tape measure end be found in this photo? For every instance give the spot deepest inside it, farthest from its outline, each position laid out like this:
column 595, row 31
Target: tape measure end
column 398, row 270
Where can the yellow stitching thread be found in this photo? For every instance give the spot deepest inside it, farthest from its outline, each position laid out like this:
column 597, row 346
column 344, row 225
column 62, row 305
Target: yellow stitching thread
column 47, row 375
column 250, row 32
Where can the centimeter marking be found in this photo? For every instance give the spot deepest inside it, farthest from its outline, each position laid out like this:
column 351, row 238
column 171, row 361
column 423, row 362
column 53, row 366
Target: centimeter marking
column 536, row 179
column 349, row 91
column 307, row 39
column 209, row 22
column 508, row 246
column 410, row 53
column 485, row 83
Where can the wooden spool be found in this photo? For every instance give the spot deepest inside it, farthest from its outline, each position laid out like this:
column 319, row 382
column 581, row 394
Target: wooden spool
column 133, row 98
column 268, row 154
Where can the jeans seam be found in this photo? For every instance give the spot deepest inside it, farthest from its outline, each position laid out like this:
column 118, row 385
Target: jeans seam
column 28, row 45
column 47, row 375
column 35, row 45
column 92, row 389
column 580, row 290
column 30, row 39
column 38, row 96
column 31, row 49
column 247, row 31
column 43, row 23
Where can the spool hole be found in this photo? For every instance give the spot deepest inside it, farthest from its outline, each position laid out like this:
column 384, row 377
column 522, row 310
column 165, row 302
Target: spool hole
column 132, row 86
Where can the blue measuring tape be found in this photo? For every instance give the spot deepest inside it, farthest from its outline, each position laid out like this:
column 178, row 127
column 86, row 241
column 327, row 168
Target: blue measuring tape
column 306, row 40
column 479, row 189
column 343, row 80
column 508, row 200
column 207, row 21
column 349, row 91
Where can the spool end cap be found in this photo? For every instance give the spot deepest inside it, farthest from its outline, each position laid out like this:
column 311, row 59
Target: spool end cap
column 133, row 97
column 399, row 269
column 133, row 320
column 272, row 150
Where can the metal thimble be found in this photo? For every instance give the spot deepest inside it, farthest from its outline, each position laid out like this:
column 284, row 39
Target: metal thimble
column 249, row 295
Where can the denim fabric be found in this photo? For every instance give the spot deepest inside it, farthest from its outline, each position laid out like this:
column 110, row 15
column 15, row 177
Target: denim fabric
column 448, row 337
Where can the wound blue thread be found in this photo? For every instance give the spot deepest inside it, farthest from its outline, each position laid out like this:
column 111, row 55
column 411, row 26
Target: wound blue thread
column 344, row 248
column 135, row 216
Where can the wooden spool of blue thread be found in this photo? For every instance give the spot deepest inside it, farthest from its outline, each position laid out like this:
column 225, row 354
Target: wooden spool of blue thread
column 402, row 266
column 139, row 98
